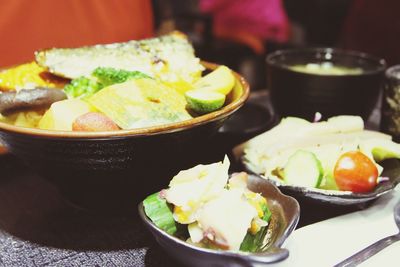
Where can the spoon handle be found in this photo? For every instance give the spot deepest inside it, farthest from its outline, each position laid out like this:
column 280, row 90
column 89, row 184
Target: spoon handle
column 369, row 251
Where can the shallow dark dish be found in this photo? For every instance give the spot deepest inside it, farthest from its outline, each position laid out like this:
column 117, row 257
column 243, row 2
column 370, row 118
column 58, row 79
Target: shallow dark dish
column 295, row 93
column 113, row 169
column 285, row 216
column 342, row 198
column 249, row 121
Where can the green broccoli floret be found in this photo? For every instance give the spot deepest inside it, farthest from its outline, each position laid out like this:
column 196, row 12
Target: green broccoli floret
column 101, row 77
column 82, row 87
column 109, row 76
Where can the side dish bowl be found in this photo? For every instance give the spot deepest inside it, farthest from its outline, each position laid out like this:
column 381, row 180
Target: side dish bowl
column 341, row 198
column 100, row 169
column 285, row 216
column 304, row 92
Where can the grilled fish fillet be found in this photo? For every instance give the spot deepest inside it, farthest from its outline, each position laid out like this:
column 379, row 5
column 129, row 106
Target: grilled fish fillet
column 170, row 58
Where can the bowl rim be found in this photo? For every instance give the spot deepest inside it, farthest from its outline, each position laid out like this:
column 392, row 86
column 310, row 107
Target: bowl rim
column 381, row 64
column 154, row 130
column 391, row 72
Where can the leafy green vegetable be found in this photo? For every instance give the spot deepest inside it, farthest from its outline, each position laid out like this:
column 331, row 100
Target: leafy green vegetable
column 109, row 76
column 253, row 243
column 84, row 87
column 160, row 213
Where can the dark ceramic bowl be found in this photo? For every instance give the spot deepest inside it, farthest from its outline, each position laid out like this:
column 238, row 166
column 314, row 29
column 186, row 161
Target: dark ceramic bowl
column 113, row 169
column 301, row 94
column 391, row 170
column 390, row 122
column 285, row 216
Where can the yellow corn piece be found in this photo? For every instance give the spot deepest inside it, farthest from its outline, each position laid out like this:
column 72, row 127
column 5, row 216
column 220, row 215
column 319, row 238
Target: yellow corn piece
column 256, row 200
column 181, row 215
column 254, row 228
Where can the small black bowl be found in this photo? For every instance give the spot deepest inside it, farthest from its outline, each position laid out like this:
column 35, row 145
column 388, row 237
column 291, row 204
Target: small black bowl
column 285, row 216
column 301, row 94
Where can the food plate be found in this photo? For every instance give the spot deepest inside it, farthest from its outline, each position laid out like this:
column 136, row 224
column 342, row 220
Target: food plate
column 343, row 198
column 285, row 215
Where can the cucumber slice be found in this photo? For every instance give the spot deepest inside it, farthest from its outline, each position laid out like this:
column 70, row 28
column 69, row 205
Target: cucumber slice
column 304, row 169
column 159, row 212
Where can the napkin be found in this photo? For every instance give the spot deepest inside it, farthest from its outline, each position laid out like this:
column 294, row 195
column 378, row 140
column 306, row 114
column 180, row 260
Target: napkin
column 329, row 242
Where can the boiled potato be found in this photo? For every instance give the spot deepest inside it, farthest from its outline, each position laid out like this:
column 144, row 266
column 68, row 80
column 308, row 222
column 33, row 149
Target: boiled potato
column 62, row 114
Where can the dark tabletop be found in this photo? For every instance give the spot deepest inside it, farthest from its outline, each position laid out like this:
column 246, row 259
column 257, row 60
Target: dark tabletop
column 39, row 228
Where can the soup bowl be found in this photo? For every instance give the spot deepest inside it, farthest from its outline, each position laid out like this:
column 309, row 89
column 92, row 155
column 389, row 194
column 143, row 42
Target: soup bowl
column 349, row 82
column 100, row 170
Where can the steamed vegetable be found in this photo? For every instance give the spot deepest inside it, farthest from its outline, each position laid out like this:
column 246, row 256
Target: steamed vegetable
column 160, row 213
column 140, row 103
column 221, row 80
column 253, row 242
column 32, row 99
column 303, row 168
column 208, row 93
column 204, row 102
column 219, row 213
column 110, row 76
column 28, row 119
column 62, row 114
column 84, row 87
column 28, row 76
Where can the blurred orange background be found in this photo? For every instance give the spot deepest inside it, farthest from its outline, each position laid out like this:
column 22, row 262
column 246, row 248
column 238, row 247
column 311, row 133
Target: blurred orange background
column 26, row 25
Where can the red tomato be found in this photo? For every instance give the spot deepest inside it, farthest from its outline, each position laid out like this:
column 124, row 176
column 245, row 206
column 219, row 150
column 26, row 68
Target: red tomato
column 354, row 171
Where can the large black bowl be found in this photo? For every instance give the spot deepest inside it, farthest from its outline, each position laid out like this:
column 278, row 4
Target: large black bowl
column 295, row 93
column 117, row 169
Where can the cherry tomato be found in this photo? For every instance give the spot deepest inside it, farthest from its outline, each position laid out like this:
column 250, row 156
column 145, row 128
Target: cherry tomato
column 354, row 171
